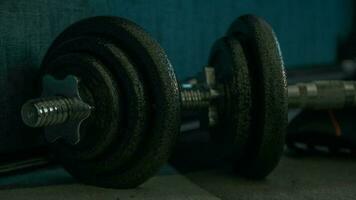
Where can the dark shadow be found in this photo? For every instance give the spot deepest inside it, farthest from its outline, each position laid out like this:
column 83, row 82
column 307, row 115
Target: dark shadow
column 31, row 178
column 33, row 168
column 195, row 151
column 347, row 46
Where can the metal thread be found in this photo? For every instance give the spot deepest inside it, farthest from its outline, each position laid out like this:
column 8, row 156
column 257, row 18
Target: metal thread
column 333, row 94
column 194, row 99
column 54, row 110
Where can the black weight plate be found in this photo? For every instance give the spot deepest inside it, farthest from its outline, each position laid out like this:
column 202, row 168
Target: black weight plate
column 269, row 96
column 100, row 90
column 120, row 150
column 234, row 109
column 160, row 85
column 133, row 106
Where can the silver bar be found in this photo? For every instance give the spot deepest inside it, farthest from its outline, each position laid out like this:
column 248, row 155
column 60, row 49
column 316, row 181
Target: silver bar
column 330, row 94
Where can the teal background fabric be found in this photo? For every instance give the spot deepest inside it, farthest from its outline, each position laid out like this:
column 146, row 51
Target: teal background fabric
column 308, row 31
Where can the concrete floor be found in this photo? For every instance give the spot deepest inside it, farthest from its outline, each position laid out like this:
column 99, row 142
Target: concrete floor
column 314, row 177
column 193, row 173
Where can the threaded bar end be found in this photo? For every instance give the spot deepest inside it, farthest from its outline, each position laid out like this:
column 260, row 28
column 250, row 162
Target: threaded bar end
column 54, row 110
column 195, row 99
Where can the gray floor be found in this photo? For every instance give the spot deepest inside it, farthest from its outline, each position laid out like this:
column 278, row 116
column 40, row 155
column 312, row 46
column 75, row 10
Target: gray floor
column 295, row 178
column 193, row 173
column 159, row 187
column 311, row 177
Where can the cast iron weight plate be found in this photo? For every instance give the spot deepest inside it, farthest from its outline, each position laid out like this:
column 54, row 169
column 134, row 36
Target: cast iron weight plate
column 234, row 110
column 261, row 134
column 269, row 96
column 117, row 59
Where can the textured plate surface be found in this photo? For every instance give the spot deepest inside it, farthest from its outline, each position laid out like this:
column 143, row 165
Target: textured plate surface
column 269, row 96
column 234, row 109
column 149, row 102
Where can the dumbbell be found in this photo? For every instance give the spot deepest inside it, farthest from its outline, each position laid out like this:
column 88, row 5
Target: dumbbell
column 109, row 102
column 111, row 105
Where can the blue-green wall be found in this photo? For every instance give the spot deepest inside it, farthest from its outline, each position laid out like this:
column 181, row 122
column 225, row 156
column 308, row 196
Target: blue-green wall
column 308, row 31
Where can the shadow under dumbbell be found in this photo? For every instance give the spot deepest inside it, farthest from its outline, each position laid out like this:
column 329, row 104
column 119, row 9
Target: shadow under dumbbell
column 202, row 176
column 194, row 152
column 296, row 177
column 30, row 169
column 31, row 178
